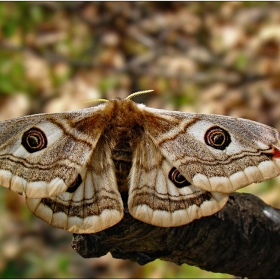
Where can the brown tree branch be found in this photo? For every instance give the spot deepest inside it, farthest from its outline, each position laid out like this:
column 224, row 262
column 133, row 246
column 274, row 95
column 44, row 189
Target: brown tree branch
column 243, row 239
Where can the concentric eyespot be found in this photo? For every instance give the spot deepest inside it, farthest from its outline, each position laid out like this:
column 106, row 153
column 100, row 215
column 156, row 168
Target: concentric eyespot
column 75, row 184
column 34, row 140
column 218, row 138
column 177, row 178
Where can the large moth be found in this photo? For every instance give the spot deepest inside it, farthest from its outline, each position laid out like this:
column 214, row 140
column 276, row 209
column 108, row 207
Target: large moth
column 170, row 167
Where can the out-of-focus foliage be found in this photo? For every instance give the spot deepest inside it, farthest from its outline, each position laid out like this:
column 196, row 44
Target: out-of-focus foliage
column 210, row 57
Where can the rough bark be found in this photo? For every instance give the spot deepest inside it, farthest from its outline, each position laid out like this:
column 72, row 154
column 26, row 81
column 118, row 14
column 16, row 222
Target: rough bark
column 243, row 239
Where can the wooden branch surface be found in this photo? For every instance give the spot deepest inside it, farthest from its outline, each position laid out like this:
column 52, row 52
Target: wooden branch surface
column 243, row 239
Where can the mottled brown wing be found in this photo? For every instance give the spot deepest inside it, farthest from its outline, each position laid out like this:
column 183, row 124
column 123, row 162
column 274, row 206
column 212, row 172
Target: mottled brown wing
column 215, row 153
column 92, row 205
column 160, row 196
column 43, row 155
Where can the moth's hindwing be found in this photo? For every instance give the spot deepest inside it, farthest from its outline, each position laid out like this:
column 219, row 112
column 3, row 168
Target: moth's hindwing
column 160, row 196
column 94, row 204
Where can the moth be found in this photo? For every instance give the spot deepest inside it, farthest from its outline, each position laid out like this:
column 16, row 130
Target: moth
column 76, row 168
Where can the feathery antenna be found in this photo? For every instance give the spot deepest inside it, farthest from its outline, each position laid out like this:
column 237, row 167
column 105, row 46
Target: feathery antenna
column 97, row 100
column 129, row 97
column 139, row 93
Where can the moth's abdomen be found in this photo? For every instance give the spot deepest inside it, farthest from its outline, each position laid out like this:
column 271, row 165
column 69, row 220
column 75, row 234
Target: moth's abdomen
column 122, row 158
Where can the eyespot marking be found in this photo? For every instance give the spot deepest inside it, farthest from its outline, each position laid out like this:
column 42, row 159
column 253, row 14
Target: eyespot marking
column 34, row 140
column 217, row 138
column 75, row 184
column 177, row 178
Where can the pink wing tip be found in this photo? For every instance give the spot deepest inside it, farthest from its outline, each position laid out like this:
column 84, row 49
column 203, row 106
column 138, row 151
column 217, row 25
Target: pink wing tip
column 276, row 153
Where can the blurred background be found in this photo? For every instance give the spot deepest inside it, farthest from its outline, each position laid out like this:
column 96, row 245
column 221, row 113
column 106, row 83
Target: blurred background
column 205, row 57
